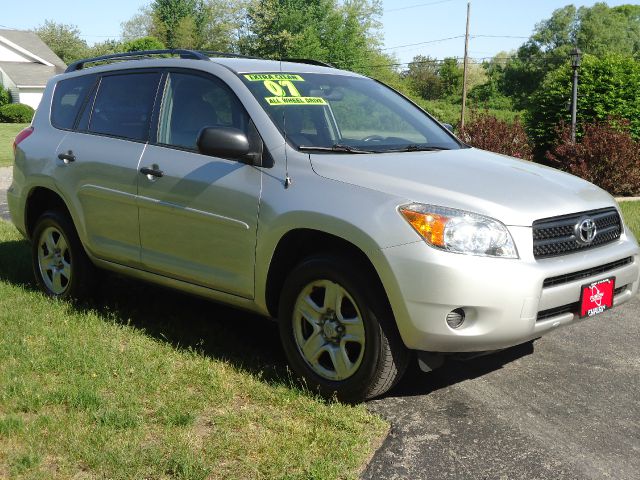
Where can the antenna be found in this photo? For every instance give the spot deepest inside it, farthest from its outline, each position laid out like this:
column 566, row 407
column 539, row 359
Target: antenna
column 287, row 178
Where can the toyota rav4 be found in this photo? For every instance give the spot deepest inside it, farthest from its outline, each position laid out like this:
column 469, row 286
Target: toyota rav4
column 316, row 196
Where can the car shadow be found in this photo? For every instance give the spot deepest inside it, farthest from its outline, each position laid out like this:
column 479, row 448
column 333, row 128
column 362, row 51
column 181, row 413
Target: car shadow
column 455, row 370
column 246, row 340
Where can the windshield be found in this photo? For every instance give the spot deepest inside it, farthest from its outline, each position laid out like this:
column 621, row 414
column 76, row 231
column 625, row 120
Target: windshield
column 345, row 114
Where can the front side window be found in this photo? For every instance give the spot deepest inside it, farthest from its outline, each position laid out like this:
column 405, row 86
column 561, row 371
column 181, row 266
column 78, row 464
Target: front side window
column 193, row 102
column 328, row 110
column 68, row 98
column 124, row 104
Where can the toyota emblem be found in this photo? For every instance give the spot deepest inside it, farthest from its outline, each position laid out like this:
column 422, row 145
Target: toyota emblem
column 585, row 231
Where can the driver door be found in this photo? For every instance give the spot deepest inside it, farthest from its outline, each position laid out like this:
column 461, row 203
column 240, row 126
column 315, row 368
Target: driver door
column 198, row 214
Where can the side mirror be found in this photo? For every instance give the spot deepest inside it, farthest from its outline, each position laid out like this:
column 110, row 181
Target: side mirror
column 448, row 126
column 225, row 142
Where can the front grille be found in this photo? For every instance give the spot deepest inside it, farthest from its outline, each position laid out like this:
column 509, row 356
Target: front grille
column 589, row 272
column 619, row 290
column 556, row 236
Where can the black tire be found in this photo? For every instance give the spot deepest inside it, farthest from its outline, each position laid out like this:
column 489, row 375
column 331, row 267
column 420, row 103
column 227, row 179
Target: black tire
column 385, row 357
column 81, row 271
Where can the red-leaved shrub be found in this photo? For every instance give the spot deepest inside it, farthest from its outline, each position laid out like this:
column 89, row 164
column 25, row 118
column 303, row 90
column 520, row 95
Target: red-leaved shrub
column 489, row 133
column 606, row 155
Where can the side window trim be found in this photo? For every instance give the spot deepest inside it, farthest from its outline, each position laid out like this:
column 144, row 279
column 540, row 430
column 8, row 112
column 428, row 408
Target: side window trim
column 87, row 103
column 154, row 124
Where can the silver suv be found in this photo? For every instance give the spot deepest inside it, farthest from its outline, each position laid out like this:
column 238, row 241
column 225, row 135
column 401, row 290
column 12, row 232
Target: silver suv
column 316, row 196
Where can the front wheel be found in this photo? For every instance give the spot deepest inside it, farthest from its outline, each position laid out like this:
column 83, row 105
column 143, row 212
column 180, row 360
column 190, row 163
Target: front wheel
column 338, row 333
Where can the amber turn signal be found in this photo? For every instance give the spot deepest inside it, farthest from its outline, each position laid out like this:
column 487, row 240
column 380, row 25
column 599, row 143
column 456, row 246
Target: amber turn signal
column 430, row 226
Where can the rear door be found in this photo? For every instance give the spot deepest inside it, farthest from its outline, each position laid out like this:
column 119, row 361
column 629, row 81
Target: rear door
column 101, row 168
column 198, row 221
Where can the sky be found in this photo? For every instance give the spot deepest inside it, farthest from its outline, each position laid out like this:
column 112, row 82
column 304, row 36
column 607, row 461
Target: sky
column 496, row 25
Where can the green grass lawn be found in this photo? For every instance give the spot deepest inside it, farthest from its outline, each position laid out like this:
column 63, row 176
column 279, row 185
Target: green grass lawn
column 148, row 383
column 631, row 213
column 8, row 132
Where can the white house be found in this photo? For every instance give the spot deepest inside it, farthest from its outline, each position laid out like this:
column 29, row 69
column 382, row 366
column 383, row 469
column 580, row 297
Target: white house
column 26, row 64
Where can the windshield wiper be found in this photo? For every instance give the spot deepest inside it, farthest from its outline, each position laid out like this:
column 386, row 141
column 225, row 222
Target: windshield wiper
column 335, row 148
column 417, row 148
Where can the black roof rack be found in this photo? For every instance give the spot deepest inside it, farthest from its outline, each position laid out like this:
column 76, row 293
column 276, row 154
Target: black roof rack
column 212, row 53
column 182, row 53
column 309, row 61
column 191, row 54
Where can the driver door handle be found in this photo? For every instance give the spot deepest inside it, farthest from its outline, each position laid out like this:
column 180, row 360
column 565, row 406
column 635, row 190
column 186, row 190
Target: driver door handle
column 67, row 157
column 152, row 172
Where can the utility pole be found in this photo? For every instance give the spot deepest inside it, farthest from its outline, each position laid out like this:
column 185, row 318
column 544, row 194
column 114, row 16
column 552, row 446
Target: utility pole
column 464, row 73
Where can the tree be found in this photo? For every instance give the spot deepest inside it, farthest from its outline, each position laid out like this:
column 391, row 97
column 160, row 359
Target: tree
column 344, row 34
column 107, row 47
column 179, row 23
column 63, row 39
column 451, row 75
column 608, row 88
column 221, row 22
column 598, row 30
column 197, row 24
column 144, row 43
column 423, row 77
column 138, row 26
column 490, row 92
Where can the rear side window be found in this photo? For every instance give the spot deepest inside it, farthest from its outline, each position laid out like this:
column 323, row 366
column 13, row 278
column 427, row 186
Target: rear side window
column 68, row 99
column 124, row 104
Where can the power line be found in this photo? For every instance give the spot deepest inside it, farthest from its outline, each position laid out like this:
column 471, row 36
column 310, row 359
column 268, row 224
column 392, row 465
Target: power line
column 423, row 43
column 101, row 36
column 452, row 38
column 497, row 36
column 416, row 6
column 440, row 61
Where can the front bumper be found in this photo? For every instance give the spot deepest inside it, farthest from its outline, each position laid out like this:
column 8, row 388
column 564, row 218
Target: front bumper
column 501, row 297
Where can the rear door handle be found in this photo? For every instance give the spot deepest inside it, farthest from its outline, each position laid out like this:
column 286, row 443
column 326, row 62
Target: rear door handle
column 154, row 172
column 67, row 157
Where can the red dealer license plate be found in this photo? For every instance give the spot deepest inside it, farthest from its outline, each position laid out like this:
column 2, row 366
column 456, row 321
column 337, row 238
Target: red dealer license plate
column 597, row 297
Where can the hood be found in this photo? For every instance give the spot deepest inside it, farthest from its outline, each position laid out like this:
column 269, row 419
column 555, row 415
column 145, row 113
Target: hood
column 516, row 192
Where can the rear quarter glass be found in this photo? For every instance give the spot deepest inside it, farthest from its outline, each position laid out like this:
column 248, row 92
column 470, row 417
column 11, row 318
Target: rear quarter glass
column 68, row 98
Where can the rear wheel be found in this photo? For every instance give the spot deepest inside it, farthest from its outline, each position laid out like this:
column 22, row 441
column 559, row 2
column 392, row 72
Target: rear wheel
column 60, row 264
column 338, row 333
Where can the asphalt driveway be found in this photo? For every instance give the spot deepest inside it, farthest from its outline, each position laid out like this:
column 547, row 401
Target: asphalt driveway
column 569, row 410
column 5, row 181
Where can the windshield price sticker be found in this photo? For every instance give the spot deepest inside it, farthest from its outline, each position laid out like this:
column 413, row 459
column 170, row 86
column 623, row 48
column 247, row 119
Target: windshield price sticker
column 261, row 77
column 295, row 101
column 282, row 90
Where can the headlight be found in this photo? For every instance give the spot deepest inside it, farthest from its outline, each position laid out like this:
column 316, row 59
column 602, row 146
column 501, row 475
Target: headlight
column 459, row 231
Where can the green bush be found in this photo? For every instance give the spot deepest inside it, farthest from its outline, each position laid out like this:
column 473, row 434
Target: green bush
column 5, row 96
column 608, row 86
column 16, row 113
column 449, row 112
column 144, row 43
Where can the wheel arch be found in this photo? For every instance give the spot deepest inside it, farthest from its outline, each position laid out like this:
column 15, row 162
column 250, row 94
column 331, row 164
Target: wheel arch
column 300, row 243
column 39, row 200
